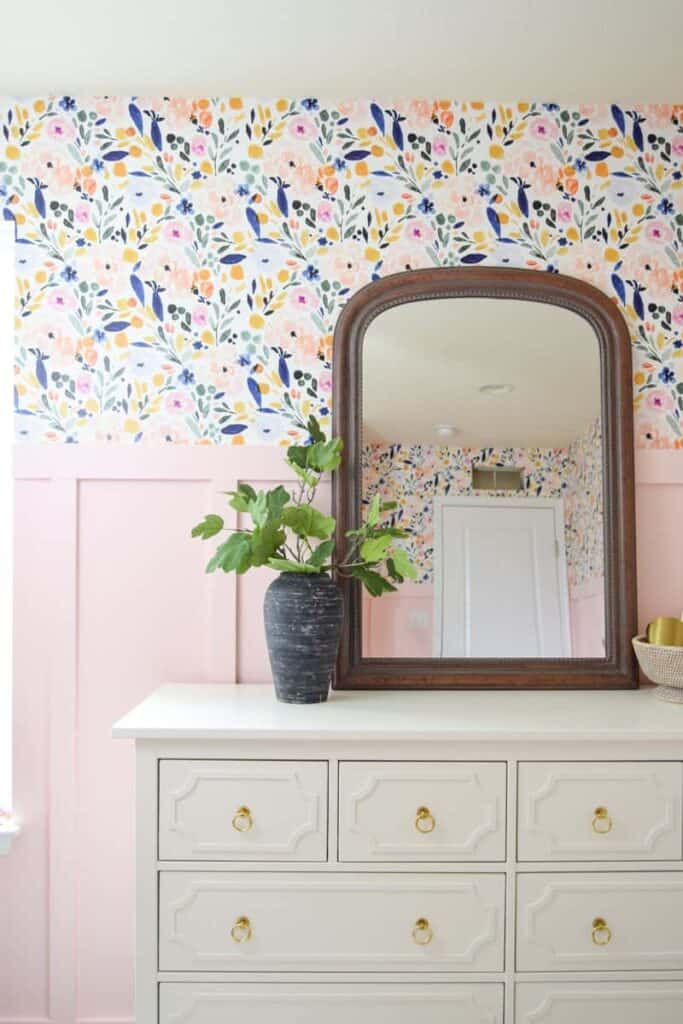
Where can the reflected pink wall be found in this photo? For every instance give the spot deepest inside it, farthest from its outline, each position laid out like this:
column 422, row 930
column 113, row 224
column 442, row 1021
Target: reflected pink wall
column 111, row 600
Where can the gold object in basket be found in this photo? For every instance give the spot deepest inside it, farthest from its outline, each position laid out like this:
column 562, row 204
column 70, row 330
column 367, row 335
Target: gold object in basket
column 665, row 632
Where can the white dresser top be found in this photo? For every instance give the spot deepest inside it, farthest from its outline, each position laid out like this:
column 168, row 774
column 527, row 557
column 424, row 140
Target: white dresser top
column 249, row 712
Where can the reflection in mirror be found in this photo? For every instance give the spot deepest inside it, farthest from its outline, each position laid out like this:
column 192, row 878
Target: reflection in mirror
column 482, row 420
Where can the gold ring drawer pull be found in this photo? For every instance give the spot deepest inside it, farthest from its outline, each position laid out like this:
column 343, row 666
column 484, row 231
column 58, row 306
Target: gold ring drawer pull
column 602, row 823
column 602, row 933
column 241, row 930
column 242, row 820
column 424, row 820
column 422, row 932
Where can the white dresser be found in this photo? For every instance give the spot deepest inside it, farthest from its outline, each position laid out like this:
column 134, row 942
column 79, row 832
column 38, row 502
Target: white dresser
column 393, row 858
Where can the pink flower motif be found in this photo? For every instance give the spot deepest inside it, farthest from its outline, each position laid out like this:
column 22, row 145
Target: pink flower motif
column 303, row 128
column 303, row 299
column 61, row 128
column 677, row 145
column 658, row 231
column 324, row 213
column 199, row 317
column 61, row 299
column 325, row 381
column 418, row 231
column 543, row 128
column 677, row 316
column 83, row 384
column 177, row 402
column 176, row 231
column 564, row 213
column 82, row 213
column 660, row 400
column 439, row 146
column 198, row 147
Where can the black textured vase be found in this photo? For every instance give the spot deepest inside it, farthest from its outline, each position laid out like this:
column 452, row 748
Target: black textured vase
column 303, row 614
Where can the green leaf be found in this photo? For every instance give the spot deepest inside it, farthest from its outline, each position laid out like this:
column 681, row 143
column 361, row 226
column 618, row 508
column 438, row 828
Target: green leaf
column 209, row 527
column 403, row 565
column 310, row 478
column 375, row 548
column 306, row 521
column 393, row 571
column 372, row 581
column 276, row 500
column 315, row 430
column 297, row 455
column 265, row 542
column 388, row 506
column 258, row 508
column 285, row 565
column 322, row 554
column 373, row 511
column 242, row 497
column 232, row 556
column 324, row 456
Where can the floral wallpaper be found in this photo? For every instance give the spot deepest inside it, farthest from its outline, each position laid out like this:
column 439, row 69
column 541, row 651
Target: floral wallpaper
column 413, row 475
column 182, row 263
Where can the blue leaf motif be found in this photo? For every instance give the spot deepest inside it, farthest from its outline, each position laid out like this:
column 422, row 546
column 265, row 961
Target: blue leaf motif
column 136, row 117
column 41, row 373
column 619, row 287
column 234, row 428
column 619, row 119
column 282, row 200
column 39, row 200
column 397, row 133
column 596, row 155
column 115, row 326
column 254, row 222
column 638, row 303
column 254, row 391
column 157, row 305
column 493, row 219
column 116, row 154
column 377, row 117
column 474, row 257
column 522, row 201
column 232, row 257
column 155, row 132
column 138, row 287
column 357, row 154
column 283, row 370
column 638, row 135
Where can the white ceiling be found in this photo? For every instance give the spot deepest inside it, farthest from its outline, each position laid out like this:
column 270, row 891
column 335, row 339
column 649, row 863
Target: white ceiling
column 425, row 362
column 583, row 51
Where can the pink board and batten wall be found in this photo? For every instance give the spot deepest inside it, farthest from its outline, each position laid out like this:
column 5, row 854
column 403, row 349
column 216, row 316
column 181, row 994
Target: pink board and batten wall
column 111, row 600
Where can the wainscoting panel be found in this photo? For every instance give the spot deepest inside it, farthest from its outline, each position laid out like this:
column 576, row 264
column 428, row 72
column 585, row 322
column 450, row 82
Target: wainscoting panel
column 111, row 600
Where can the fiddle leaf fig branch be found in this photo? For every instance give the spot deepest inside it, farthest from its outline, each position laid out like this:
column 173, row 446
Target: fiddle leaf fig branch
column 289, row 534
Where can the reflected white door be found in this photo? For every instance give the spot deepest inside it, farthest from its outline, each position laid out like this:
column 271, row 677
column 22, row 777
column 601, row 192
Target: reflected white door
column 500, row 578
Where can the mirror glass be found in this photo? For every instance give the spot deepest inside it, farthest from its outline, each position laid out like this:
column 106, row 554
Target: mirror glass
column 482, row 421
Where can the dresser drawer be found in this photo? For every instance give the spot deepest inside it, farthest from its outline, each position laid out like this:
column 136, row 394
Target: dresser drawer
column 631, row 1002
column 600, row 811
column 243, row 810
column 600, row 922
column 332, row 1004
column 216, row 921
column 421, row 811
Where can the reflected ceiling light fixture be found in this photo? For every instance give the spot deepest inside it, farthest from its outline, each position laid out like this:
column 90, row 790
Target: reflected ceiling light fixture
column 496, row 389
column 445, row 430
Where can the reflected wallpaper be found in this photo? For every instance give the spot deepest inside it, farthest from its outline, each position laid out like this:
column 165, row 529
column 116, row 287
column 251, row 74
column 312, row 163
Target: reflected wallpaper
column 181, row 263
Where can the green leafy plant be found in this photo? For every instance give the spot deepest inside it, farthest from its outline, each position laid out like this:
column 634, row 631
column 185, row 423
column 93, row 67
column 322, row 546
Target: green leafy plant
column 290, row 535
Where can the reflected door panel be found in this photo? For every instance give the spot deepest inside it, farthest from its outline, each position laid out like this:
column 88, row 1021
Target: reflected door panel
column 501, row 586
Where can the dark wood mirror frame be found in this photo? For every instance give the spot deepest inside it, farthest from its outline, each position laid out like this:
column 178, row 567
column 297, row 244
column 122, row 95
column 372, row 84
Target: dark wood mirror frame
column 617, row 669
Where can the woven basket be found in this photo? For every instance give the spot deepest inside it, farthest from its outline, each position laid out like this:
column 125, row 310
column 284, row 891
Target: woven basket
column 664, row 666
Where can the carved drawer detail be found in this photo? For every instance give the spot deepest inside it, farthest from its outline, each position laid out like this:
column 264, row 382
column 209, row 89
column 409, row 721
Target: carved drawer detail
column 214, row 921
column 198, row 1003
column 600, row 811
column 421, row 811
column 600, row 921
column 243, row 810
column 630, row 1002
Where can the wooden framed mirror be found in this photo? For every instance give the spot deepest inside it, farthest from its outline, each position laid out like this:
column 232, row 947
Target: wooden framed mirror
column 495, row 407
